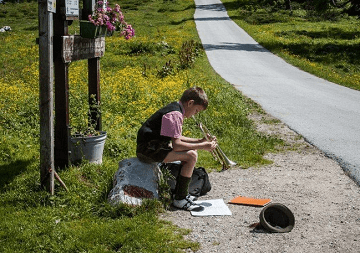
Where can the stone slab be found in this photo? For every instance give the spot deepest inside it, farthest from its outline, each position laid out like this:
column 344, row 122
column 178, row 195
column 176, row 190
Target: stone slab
column 134, row 181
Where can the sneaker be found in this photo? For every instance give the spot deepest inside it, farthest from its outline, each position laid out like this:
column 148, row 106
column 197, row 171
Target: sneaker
column 187, row 204
column 191, row 197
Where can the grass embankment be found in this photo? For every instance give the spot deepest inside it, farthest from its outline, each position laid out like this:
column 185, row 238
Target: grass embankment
column 137, row 77
column 324, row 44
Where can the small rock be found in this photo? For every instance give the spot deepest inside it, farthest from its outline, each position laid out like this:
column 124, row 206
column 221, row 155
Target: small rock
column 5, row 29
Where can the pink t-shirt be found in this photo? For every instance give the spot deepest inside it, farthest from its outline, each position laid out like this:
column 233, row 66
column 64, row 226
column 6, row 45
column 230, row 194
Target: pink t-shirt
column 171, row 124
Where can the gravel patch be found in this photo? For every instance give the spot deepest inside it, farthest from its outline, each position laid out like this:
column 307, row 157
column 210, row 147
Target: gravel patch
column 324, row 200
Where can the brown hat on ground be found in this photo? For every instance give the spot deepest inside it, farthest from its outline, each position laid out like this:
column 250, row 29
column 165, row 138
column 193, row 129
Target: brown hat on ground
column 277, row 218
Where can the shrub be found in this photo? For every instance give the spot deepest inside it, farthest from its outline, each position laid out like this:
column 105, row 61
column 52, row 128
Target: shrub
column 189, row 51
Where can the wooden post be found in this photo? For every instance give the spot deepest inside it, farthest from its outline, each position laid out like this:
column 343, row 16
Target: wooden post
column 46, row 78
column 54, row 151
column 61, row 114
column 94, row 89
column 68, row 48
column 93, row 71
column 88, row 8
column 61, row 90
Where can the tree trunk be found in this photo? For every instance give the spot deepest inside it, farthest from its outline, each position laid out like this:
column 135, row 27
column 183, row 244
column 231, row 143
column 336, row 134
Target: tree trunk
column 288, row 5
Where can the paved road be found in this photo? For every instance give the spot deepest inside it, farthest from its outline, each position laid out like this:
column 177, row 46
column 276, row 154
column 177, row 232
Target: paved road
column 326, row 114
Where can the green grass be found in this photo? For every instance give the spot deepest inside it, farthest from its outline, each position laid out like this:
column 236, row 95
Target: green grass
column 324, row 44
column 137, row 77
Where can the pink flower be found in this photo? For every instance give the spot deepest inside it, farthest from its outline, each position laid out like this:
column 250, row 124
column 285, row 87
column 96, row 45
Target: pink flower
column 113, row 18
column 109, row 26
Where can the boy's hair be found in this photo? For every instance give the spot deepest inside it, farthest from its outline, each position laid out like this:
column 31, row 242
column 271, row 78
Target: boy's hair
column 197, row 94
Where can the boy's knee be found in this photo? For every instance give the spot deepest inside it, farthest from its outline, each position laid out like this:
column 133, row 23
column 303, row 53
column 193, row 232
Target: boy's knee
column 193, row 155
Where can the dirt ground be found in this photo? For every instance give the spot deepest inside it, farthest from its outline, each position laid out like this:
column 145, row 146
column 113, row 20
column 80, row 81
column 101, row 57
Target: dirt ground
column 324, row 200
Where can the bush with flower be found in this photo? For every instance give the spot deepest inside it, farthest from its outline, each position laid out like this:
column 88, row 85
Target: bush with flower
column 112, row 18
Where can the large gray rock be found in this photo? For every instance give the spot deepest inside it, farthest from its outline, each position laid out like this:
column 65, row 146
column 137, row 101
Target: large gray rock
column 133, row 181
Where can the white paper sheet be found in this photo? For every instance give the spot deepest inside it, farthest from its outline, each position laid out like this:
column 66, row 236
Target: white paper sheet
column 212, row 207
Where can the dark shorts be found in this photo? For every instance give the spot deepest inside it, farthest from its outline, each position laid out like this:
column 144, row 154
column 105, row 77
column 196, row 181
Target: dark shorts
column 153, row 151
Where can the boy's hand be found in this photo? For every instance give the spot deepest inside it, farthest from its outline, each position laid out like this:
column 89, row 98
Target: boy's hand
column 213, row 138
column 211, row 145
column 209, row 138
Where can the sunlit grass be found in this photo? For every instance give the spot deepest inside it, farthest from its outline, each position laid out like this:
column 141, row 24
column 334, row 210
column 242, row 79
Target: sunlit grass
column 81, row 220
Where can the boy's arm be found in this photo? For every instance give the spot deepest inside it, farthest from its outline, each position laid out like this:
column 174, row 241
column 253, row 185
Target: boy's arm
column 186, row 143
column 191, row 140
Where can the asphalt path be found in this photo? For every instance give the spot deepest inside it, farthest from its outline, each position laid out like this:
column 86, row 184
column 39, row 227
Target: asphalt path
column 327, row 115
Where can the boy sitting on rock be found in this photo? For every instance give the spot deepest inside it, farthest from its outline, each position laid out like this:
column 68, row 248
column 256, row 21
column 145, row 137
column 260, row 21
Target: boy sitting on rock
column 160, row 140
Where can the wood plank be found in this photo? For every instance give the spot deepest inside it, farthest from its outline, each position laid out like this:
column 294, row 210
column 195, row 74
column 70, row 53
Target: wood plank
column 75, row 48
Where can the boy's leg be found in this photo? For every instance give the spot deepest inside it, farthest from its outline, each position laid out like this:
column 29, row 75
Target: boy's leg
column 182, row 187
column 153, row 151
column 188, row 159
column 184, row 178
column 182, row 198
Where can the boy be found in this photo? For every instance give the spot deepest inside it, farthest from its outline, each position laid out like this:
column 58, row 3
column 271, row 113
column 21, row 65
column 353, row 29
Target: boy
column 165, row 127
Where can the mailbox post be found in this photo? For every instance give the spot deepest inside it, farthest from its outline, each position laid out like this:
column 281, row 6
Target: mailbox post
column 88, row 8
column 62, row 129
column 56, row 50
column 46, row 9
column 67, row 49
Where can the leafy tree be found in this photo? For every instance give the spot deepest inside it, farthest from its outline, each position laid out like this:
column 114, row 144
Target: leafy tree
column 351, row 7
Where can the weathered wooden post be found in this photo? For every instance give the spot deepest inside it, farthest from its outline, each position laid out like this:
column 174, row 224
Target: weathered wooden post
column 46, row 78
column 88, row 8
column 56, row 50
column 61, row 87
column 94, row 89
column 70, row 48
column 93, row 70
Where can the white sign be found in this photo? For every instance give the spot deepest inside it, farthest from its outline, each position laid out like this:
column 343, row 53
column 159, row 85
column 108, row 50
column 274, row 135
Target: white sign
column 104, row 4
column 51, row 6
column 72, row 7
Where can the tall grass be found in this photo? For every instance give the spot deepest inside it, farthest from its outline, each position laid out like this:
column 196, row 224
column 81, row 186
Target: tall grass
column 131, row 89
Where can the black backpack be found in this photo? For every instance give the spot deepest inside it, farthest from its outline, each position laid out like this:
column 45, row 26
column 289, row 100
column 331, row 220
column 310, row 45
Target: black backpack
column 200, row 183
